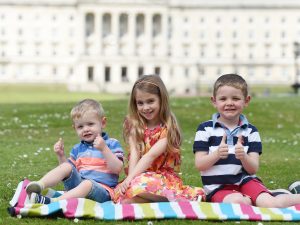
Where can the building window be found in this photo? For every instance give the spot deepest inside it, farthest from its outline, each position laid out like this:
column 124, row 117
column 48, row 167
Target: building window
column 107, row 74
column 124, row 77
column 123, row 28
column 140, row 25
column 267, row 34
column 268, row 71
column 169, row 27
column 267, row 19
column 234, row 34
column 106, row 27
column 54, row 71
column 283, row 51
column 157, row 70
column 89, row 24
column 140, row 71
column 186, row 72
column 71, row 71
column 202, row 50
column 156, row 29
column 218, row 50
column 90, row 73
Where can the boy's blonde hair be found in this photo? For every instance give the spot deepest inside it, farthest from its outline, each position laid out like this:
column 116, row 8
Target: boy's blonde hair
column 232, row 80
column 154, row 85
column 86, row 105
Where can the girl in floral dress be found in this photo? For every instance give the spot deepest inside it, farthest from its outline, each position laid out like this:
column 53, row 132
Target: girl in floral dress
column 153, row 137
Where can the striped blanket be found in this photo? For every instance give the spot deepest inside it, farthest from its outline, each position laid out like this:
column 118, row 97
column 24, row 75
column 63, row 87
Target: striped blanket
column 85, row 208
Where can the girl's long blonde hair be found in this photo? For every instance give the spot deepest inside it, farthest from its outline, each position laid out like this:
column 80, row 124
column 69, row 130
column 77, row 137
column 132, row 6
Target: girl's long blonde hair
column 135, row 124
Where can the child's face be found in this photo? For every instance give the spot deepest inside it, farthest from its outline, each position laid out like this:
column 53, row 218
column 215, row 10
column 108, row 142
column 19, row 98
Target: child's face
column 89, row 126
column 148, row 106
column 230, row 102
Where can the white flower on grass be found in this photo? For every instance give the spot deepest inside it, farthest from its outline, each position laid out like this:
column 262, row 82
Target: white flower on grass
column 271, row 182
column 25, row 155
column 76, row 220
column 16, row 119
column 279, row 126
column 47, row 149
column 295, row 143
column 61, row 133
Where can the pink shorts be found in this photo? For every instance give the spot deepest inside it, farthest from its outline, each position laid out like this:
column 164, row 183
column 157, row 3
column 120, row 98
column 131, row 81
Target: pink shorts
column 252, row 189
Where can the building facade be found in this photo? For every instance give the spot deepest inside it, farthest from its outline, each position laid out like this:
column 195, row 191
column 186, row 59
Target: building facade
column 105, row 45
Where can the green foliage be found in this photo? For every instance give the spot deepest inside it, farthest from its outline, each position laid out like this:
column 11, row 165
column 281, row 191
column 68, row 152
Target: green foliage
column 28, row 132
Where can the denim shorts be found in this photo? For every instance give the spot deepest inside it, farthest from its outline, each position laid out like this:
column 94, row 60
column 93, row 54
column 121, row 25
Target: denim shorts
column 98, row 193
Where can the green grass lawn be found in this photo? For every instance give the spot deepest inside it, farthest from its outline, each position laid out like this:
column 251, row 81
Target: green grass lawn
column 30, row 125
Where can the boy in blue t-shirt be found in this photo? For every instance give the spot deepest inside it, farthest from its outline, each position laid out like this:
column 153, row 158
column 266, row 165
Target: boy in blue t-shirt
column 93, row 168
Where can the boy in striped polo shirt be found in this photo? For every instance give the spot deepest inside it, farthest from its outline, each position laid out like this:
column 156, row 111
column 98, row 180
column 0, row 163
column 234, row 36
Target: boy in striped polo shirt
column 227, row 150
column 93, row 168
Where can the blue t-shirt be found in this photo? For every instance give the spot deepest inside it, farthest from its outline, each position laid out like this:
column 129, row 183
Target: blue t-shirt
column 91, row 163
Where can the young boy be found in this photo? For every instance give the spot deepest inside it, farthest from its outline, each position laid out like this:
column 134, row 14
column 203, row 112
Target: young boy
column 227, row 150
column 93, row 168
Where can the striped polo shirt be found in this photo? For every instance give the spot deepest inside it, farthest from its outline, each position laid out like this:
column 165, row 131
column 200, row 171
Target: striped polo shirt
column 91, row 163
column 225, row 171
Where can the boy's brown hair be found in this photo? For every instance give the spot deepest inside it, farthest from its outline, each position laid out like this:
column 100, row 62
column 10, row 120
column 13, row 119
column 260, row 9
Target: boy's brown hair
column 232, row 80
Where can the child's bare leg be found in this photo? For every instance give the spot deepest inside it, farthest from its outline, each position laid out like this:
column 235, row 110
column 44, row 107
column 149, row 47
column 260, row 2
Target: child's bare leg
column 279, row 201
column 56, row 175
column 146, row 197
column 51, row 179
column 81, row 191
column 237, row 198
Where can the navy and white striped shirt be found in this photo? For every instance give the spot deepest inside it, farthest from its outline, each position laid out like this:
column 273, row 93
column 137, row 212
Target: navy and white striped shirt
column 225, row 171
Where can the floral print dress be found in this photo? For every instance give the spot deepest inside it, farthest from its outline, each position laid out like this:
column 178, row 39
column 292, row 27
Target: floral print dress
column 162, row 177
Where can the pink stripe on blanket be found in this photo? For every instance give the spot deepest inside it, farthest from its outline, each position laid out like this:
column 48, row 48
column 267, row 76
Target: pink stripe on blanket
column 248, row 210
column 187, row 210
column 72, row 205
column 128, row 211
column 297, row 207
column 22, row 197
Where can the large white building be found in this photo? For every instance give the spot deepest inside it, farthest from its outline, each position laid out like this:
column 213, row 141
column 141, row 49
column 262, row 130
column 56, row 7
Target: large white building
column 104, row 45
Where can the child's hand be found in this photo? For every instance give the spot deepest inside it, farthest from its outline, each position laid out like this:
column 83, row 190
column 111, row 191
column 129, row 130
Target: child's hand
column 239, row 149
column 59, row 148
column 99, row 143
column 122, row 187
column 223, row 149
